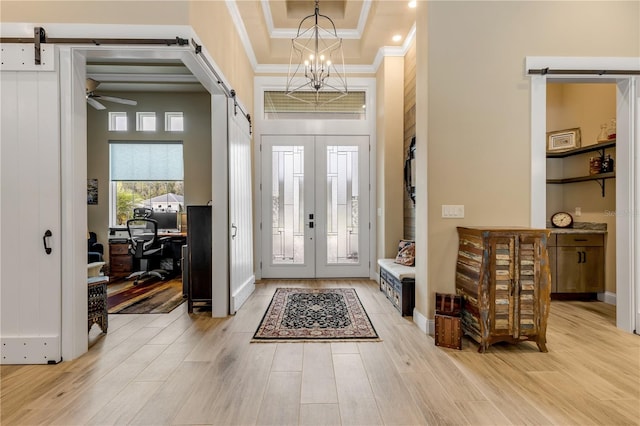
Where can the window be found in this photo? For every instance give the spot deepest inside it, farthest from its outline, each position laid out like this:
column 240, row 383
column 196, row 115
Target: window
column 173, row 122
column 118, row 121
column 146, row 121
column 277, row 105
column 145, row 174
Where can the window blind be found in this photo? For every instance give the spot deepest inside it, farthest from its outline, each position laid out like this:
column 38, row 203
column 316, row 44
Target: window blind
column 146, row 161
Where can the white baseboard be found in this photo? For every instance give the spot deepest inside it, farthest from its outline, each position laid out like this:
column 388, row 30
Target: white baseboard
column 426, row 325
column 242, row 294
column 30, row 350
column 607, row 297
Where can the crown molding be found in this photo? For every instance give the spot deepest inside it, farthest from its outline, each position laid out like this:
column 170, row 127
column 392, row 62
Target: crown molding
column 242, row 31
column 284, row 69
column 293, row 32
column 394, row 50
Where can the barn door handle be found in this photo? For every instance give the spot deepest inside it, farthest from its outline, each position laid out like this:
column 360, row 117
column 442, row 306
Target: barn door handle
column 235, row 231
column 46, row 235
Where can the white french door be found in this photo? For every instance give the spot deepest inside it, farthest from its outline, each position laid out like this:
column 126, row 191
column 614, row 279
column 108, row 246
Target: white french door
column 315, row 206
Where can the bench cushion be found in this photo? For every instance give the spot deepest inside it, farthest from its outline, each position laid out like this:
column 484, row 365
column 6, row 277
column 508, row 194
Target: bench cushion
column 399, row 271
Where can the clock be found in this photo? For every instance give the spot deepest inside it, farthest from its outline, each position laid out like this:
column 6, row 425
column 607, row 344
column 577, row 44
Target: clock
column 561, row 220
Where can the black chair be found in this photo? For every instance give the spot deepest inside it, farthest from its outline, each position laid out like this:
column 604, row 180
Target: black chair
column 95, row 249
column 146, row 248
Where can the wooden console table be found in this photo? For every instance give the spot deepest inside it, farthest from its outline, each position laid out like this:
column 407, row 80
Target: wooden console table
column 97, row 302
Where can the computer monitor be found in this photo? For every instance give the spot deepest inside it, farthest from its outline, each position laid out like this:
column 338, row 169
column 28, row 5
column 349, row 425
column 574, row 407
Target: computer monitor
column 166, row 220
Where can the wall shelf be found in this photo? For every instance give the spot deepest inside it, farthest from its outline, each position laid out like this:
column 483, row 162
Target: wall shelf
column 600, row 178
column 590, row 148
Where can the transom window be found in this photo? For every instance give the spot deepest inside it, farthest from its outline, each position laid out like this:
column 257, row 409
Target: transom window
column 146, row 121
column 277, row 105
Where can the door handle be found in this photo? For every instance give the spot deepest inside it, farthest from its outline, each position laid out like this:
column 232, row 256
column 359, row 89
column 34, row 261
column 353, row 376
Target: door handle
column 579, row 256
column 46, row 235
column 584, row 257
column 235, row 231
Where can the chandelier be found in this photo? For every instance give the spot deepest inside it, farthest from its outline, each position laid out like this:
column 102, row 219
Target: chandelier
column 316, row 64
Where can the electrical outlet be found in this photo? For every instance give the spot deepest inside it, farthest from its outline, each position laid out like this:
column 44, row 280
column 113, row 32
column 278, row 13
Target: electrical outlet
column 452, row 211
column 578, row 212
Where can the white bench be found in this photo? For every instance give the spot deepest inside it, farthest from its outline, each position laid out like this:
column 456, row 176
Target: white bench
column 397, row 282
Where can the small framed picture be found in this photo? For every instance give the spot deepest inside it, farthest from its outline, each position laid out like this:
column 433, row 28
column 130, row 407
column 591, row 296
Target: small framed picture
column 563, row 140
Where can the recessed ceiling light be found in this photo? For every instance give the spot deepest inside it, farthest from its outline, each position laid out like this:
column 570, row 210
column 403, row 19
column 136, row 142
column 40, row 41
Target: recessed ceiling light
column 396, row 37
column 412, row 4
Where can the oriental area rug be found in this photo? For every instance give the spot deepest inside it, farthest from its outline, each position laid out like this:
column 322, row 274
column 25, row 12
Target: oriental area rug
column 330, row 314
column 149, row 296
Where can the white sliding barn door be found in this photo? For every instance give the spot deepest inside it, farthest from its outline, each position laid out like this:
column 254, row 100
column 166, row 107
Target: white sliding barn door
column 30, row 261
column 242, row 277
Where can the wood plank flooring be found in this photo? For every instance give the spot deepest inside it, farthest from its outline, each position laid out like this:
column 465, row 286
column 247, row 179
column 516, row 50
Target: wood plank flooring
column 183, row 369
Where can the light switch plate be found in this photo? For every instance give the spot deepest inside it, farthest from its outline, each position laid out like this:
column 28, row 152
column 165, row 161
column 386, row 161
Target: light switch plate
column 452, row 211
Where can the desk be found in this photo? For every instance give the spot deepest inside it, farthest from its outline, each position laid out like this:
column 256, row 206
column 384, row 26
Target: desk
column 121, row 260
column 173, row 249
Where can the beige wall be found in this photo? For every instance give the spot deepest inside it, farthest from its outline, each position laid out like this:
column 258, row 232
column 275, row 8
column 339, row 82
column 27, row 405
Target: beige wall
column 95, row 12
column 478, row 108
column 210, row 20
column 196, row 146
column 213, row 24
column 389, row 162
column 586, row 106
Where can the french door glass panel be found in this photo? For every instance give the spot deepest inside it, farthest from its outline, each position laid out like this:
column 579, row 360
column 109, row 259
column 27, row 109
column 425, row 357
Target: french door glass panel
column 287, row 194
column 315, row 206
column 342, row 204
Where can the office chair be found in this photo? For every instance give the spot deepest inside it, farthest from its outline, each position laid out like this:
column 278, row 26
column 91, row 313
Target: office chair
column 95, row 249
column 146, row 248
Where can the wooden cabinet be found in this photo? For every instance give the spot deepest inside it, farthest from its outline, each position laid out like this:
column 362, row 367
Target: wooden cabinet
column 504, row 279
column 120, row 260
column 579, row 263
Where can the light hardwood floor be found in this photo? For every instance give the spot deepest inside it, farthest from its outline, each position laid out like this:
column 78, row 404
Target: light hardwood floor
column 192, row 369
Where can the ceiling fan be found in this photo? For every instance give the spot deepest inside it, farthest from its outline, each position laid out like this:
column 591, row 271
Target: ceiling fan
column 93, row 98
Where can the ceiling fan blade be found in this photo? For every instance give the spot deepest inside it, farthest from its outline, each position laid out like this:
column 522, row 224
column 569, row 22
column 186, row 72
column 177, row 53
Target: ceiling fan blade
column 117, row 100
column 95, row 104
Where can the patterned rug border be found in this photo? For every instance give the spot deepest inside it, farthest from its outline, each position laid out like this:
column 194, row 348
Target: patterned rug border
column 322, row 339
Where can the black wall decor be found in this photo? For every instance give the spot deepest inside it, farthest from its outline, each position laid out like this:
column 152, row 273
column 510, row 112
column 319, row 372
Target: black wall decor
column 410, row 171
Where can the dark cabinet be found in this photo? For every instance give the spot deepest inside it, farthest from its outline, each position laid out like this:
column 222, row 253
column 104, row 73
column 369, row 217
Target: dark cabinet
column 199, row 252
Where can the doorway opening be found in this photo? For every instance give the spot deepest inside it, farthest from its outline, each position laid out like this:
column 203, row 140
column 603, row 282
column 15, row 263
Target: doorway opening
column 627, row 138
column 581, row 183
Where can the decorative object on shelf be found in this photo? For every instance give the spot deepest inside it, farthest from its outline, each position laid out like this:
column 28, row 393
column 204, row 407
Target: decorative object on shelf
column 561, row 220
column 316, row 63
column 603, row 136
column 595, row 165
column 563, row 140
column 410, row 171
column 607, row 164
column 611, row 130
